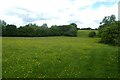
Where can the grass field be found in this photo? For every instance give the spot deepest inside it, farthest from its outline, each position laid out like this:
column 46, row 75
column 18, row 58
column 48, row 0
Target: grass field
column 58, row 57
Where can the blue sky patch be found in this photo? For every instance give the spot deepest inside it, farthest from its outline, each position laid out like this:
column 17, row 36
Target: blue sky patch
column 98, row 4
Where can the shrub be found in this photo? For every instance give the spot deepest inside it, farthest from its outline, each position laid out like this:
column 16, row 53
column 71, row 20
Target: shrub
column 110, row 34
column 92, row 34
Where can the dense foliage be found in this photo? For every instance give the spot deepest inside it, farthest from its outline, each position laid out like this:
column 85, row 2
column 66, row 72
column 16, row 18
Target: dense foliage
column 2, row 25
column 109, row 31
column 33, row 30
column 92, row 34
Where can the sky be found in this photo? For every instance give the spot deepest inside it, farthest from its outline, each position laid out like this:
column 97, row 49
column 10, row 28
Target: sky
column 85, row 13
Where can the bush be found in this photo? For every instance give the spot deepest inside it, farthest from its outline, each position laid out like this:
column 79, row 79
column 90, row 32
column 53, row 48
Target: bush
column 92, row 34
column 110, row 34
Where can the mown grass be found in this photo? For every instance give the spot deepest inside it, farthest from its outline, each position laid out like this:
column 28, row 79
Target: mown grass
column 58, row 57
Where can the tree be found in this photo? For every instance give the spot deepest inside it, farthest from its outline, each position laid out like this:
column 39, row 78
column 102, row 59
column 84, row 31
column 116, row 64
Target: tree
column 112, row 18
column 3, row 23
column 107, row 20
column 55, row 30
column 75, row 25
column 45, row 31
column 72, row 31
column 2, row 26
column 10, row 30
column 32, row 25
column 26, row 31
column 44, row 25
column 110, row 33
column 86, row 28
column 39, row 32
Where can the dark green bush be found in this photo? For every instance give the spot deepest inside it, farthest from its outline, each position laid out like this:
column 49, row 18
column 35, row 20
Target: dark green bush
column 109, row 31
column 110, row 34
column 92, row 34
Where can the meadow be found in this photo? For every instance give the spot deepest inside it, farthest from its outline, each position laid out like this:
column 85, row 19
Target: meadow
column 58, row 57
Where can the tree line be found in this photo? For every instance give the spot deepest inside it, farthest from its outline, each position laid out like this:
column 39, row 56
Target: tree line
column 33, row 30
column 87, row 28
column 108, row 31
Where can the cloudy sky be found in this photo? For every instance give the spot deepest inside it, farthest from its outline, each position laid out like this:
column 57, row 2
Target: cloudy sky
column 85, row 13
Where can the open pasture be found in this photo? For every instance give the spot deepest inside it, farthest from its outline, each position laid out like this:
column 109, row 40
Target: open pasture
column 58, row 57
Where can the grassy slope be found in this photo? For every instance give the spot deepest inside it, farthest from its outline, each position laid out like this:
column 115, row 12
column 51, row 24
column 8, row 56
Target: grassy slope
column 58, row 57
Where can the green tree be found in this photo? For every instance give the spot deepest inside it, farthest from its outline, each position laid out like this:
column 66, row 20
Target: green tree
column 26, row 31
column 72, row 31
column 73, row 24
column 10, row 30
column 2, row 27
column 44, row 25
column 107, row 20
column 55, row 30
column 110, row 34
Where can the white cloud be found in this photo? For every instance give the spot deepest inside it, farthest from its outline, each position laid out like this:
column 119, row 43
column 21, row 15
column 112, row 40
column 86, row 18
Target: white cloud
column 21, row 12
column 89, row 16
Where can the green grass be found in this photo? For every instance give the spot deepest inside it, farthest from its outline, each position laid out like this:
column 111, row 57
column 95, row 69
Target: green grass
column 58, row 57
